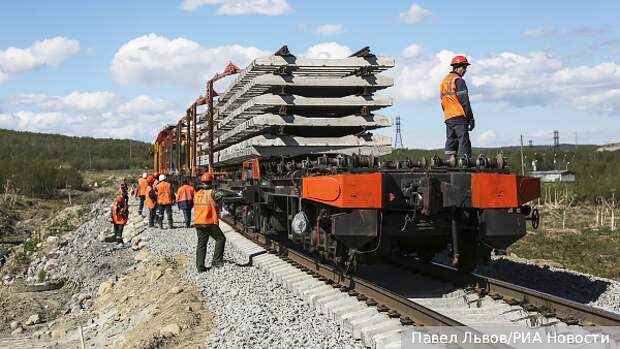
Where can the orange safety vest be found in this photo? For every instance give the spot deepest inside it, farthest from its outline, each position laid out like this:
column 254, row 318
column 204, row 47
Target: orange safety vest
column 185, row 193
column 150, row 203
column 164, row 193
column 120, row 218
column 205, row 209
column 142, row 184
column 449, row 101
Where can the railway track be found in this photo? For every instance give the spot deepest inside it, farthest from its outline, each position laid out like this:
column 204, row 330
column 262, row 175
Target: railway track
column 446, row 297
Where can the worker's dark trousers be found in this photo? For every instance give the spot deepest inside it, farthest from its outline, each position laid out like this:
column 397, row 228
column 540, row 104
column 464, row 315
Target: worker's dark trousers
column 118, row 232
column 203, row 232
column 141, row 207
column 457, row 139
column 160, row 214
column 186, row 208
column 152, row 215
column 126, row 198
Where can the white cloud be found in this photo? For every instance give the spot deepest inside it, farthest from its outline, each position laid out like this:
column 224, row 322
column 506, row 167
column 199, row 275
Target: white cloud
column 88, row 100
column 50, row 52
column 531, row 79
column 145, row 105
column 31, row 121
column 486, row 138
column 153, row 59
column 329, row 29
column 82, row 101
column 415, row 14
column 242, row 7
column 97, row 114
column 328, row 50
column 417, row 78
column 412, row 51
column 605, row 101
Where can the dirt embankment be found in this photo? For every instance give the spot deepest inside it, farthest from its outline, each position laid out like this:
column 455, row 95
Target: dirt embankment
column 99, row 293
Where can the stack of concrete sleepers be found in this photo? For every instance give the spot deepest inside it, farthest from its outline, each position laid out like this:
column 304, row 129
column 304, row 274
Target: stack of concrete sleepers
column 288, row 106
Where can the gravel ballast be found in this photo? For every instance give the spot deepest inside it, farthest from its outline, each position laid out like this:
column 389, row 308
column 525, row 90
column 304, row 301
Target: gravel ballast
column 251, row 310
column 582, row 288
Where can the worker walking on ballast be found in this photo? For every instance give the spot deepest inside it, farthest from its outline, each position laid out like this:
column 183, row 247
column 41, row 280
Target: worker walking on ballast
column 206, row 221
column 458, row 115
column 120, row 215
column 141, row 191
column 165, row 200
column 185, row 200
column 151, row 200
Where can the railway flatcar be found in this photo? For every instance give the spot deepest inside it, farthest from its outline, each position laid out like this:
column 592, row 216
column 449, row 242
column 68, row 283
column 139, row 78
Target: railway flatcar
column 294, row 137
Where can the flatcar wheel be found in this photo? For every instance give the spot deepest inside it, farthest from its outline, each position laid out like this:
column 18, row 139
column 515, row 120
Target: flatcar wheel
column 467, row 257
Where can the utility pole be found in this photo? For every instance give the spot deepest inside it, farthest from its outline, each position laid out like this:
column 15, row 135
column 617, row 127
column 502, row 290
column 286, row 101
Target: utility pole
column 522, row 161
column 129, row 150
column 90, row 161
column 556, row 147
column 576, row 143
column 398, row 139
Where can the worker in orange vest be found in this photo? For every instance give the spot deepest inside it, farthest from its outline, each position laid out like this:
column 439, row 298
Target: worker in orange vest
column 185, row 200
column 141, row 191
column 120, row 215
column 206, row 221
column 123, row 190
column 458, row 115
column 151, row 200
column 165, row 200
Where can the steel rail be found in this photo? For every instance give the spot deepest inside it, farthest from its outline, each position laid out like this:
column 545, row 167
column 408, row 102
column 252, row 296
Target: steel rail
column 549, row 305
column 565, row 310
column 393, row 304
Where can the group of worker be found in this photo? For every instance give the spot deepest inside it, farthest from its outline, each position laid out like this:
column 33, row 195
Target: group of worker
column 156, row 193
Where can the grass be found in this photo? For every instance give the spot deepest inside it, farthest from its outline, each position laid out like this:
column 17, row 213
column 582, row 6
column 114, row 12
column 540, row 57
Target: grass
column 592, row 251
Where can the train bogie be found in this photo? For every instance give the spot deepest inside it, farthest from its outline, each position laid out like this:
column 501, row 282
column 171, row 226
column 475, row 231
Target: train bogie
column 371, row 215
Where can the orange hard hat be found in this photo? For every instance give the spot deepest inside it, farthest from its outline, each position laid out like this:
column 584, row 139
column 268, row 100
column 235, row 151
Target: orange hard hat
column 155, row 174
column 124, row 178
column 119, row 200
column 150, row 179
column 459, row 60
column 206, row 177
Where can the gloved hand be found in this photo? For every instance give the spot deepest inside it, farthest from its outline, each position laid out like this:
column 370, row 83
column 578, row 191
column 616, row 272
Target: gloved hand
column 472, row 124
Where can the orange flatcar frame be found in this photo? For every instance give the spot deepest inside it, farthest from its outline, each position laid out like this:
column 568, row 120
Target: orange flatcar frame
column 362, row 190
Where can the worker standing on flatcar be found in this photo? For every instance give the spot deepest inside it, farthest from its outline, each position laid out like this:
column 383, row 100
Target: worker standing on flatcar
column 185, row 200
column 141, row 192
column 458, row 115
column 120, row 215
column 123, row 190
column 151, row 200
column 206, row 221
column 165, row 200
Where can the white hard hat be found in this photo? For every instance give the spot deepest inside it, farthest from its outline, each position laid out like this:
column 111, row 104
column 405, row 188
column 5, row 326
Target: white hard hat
column 162, row 177
column 144, row 175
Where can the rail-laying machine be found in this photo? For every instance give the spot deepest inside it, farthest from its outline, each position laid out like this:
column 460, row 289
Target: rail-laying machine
column 293, row 136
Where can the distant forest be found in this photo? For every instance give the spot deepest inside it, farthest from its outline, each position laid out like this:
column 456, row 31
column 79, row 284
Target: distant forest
column 597, row 173
column 38, row 164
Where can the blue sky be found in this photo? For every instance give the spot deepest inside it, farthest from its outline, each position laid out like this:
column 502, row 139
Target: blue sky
column 124, row 68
